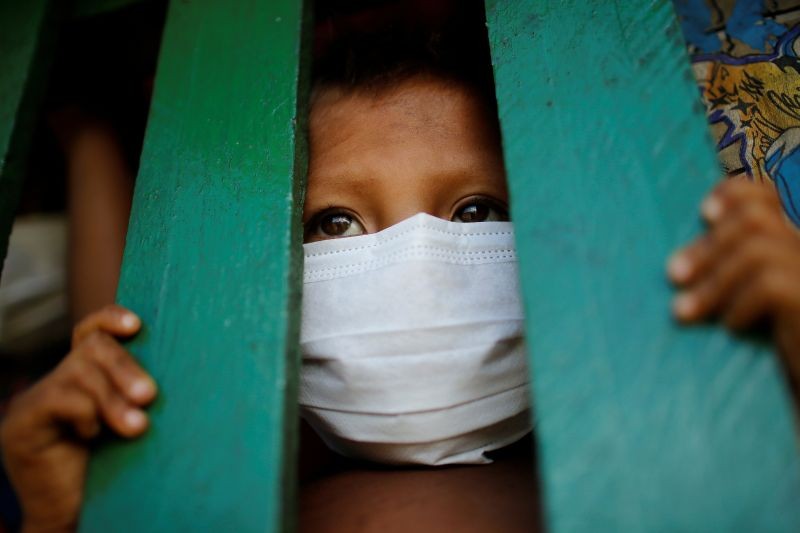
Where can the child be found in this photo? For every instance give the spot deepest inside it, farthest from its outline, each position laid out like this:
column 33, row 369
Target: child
column 388, row 143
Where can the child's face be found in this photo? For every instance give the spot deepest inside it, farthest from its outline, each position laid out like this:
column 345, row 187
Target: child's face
column 378, row 158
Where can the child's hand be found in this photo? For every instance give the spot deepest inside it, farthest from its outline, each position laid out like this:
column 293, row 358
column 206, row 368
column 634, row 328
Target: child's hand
column 746, row 268
column 47, row 430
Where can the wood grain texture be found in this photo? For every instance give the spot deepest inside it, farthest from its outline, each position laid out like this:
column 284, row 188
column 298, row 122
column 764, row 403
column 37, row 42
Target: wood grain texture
column 28, row 32
column 642, row 425
column 213, row 266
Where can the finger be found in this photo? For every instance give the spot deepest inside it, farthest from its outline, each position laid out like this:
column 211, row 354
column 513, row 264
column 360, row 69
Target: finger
column 787, row 337
column 124, row 372
column 731, row 194
column 694, row 261
column 37, row 418
column 686, row 264
column 711, row 292
column 113, row 319
column 760, row 296
column 123, row 418
column 80, row 411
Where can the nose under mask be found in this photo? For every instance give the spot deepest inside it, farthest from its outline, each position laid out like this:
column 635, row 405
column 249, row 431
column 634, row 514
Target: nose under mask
column 412, row 343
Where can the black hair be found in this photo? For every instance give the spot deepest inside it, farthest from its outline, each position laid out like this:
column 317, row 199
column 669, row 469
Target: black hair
column 455, row 50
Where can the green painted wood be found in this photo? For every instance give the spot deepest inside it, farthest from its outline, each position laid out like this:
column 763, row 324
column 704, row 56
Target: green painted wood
column 642, row 425
column 213, row 266
column 28, row 32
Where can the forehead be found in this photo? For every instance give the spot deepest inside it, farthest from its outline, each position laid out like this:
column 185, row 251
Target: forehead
column 417, row 121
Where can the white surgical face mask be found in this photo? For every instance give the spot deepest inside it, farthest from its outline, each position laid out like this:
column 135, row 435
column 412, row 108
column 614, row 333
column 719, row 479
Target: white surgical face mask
column 412, row 342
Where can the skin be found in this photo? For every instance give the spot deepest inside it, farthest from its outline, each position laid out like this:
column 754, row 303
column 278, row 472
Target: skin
column 745, row 270
column 502, row 496
column 425, row 145
column 99, row 181
column 46, row 433
column 422, row 147
column 100, row 189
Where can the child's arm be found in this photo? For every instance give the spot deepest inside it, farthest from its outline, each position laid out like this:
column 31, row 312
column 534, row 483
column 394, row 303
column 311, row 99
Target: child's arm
column 46, row 432
column 99, row 190
column 745, row 269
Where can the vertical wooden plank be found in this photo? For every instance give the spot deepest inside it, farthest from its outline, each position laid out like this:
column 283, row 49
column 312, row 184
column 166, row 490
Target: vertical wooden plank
column 642, row 425
column 27, row 36
column 212, row 265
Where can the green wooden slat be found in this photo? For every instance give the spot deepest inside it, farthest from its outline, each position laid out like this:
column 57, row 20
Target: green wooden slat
column 642, row 425
column 212, row 265
column 28, row 32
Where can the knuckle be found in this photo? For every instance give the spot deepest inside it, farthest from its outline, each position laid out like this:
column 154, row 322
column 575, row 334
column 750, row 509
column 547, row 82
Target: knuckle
column 771, row 285
column 81, row 407
column 748, row 191
column 737, row 185
column 708, row 293
column 706, row 251
column 727, row 184
column 733, row 189
column 699, row 248
column 77, row 353
column 756, row 219
column 88, row 380
column 75, row 404
column 84, row 323
column 113, row 413
column 746, row 184
column 114, row 356
column 753, row 251
column 93, row 322
column 83, row 327
column 96, row 337
column 85, row 407
column 69, row 370
column 50, row 396
column 114, row 405
column 96, row 347
column 763, row 194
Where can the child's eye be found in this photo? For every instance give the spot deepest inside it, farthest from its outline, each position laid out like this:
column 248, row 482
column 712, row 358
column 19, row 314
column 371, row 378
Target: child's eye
column 332, row 225
column 480, row 210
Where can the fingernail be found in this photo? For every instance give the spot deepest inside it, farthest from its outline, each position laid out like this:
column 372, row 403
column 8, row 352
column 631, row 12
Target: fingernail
column 142, row 389
column 679, row 267
column 684, row 305
column 135, row 419
column 129, row 320
column 712, row 208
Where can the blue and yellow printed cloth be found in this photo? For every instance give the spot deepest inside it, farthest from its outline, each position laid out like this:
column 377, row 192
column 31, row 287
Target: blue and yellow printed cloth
column 746, row 57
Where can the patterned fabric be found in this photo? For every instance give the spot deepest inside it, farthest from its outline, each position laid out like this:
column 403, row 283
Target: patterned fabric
column 746, row 57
